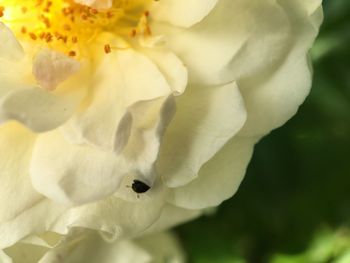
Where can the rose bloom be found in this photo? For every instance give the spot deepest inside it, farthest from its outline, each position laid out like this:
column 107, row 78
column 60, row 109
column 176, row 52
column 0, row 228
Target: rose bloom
column 124, row 118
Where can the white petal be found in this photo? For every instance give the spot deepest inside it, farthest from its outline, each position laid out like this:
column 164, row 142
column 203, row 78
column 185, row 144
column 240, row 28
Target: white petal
column 162, row 247
column 122, row 79
column 172, row 68
column 51, row 68
column 218, row 179
column 37, row 218
column 35, row 108
column 25, row 253
column 23, row 209
column 73, row 174
column 32, row 248
column 183, row 13
column 273, row 99
column 172, row 216
column 9, row 47
column 17, row 193
column 98, row 173
column 113, row 217
column 207, row 118
column 238, row 38
column 94, row 249
column 5, row 258
column 87, row 246
column 150, row 120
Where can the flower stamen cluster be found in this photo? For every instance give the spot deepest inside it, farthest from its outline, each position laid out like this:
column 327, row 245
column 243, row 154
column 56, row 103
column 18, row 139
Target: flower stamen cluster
column 69, row 27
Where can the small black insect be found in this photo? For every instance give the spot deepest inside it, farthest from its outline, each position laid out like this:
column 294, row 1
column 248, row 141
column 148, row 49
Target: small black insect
column 139, row 187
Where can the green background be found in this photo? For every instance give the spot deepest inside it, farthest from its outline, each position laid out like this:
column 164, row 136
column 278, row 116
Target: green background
column 294, row 204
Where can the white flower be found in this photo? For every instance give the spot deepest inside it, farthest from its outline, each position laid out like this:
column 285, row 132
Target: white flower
column 171, row 93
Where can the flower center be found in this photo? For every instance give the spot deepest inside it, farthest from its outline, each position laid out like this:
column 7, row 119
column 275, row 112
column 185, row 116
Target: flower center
column 70, row 27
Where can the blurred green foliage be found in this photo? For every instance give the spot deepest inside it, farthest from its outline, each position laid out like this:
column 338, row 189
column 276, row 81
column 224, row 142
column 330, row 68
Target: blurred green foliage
column 294, row 204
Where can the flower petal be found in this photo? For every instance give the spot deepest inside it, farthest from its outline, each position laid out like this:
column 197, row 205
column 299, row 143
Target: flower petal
column 82, row 245
column 35, row 108
column 218, row 179
column 51, row 68
column 163, row 247
column 226, row 47
column 172, row 216
column 34, row 219
column 5, row 258
column 207, row 118
column 172, row 68
column 275, row 98
column 22, row 252
column 183, row 13
column 29, row 212
column 73, row 174
column 104, row 216
column 17, row 193
column 113, row 217
column 93, row 248
column 149, row 123
column 9, row 47
column 122, row 79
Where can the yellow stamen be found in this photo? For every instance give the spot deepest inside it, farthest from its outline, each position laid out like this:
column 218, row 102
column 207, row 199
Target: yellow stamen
column 70, row 27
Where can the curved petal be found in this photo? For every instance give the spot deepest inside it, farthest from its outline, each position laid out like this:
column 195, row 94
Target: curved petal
column 22, row 100
column 163, row 247
column 50, row 68
column 218, row 179
column 171, row 67
column 76, row 174
column 149, row 123
column 9, row 46
column 37, row 218
column 22, row 252
column 273, row 99
column 82, row 245
column 207, row 118
column 113, row 217
column 35, row 108
column 225, row 47
column 184, row 13
column 172, row 216
column 15, row 153
column 92, row 248
column 73, row 174
column 5, row 258
column 121, row 79
column 30, row 212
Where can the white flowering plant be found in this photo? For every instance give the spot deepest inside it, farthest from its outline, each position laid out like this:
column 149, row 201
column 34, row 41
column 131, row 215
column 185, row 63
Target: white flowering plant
column 124, row 118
